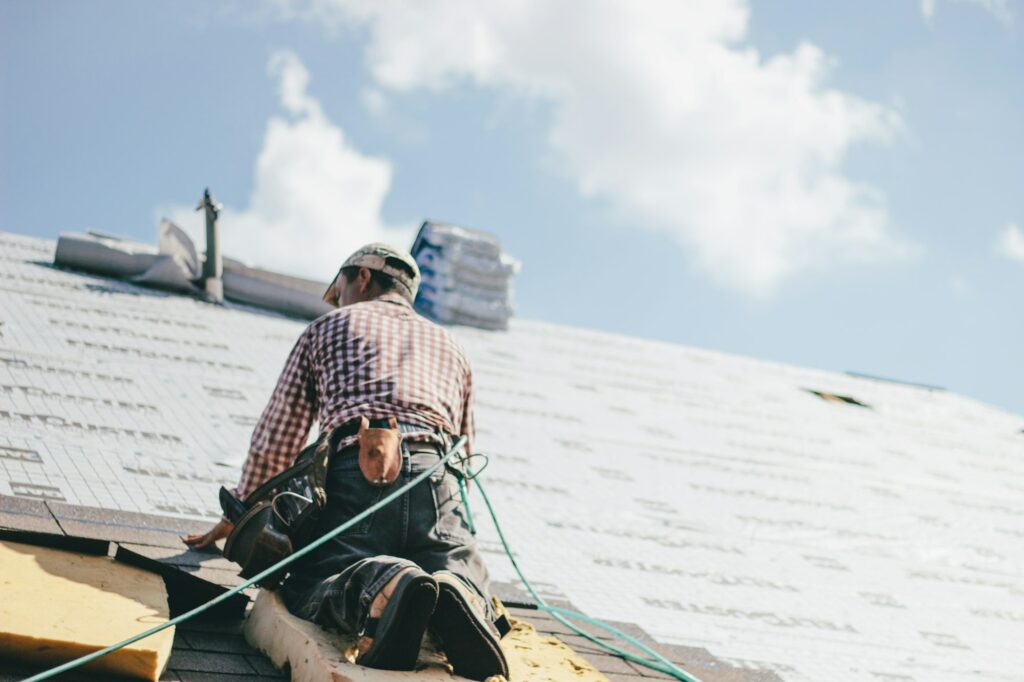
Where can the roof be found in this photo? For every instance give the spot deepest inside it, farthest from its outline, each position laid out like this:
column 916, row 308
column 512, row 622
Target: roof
column 715, row 501
column 212, row 648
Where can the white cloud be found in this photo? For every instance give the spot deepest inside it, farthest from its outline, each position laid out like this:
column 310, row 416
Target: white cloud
column 375, row 101
column 928, row 10
column 315, row 198
column 1010, row 243
column 662, row 108
column 999, row 9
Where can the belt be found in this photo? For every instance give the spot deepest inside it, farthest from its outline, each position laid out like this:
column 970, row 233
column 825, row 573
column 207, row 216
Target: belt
column 351, row 428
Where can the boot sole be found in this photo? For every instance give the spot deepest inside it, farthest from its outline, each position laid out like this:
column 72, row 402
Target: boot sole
column 470, row 646
column 396, row 644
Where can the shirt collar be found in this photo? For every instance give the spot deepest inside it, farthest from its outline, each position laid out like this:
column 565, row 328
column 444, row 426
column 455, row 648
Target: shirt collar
column 394, row 297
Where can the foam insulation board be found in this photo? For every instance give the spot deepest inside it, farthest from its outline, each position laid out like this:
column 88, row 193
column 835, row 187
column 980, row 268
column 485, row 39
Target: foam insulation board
column 56, row 606
column 316, row 655
column 533, row 657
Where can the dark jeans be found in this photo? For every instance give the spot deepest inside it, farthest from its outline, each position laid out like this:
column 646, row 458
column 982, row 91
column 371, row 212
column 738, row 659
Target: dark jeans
column 334, row 585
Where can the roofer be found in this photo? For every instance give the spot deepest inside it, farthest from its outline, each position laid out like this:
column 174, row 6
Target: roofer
column 413, row 564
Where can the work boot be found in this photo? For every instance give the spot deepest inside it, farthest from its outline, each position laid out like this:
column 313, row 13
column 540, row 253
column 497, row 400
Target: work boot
column 469, row 639
column 399, row 615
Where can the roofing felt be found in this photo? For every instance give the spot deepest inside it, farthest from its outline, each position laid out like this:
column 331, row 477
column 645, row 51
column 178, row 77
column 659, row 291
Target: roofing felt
column 714, row 500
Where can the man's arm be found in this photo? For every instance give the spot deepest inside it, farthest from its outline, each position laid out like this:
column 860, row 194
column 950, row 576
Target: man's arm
column 279, row 435
column 284, row 425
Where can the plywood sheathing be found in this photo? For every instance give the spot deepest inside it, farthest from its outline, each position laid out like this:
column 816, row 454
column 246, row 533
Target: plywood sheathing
column 56, row 606
column 316, row 655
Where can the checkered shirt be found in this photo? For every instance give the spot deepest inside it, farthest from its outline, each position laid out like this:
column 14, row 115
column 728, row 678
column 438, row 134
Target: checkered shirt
column 374, row 359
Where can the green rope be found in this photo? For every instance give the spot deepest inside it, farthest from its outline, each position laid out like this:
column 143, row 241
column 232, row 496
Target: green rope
column 656, row 662
column 465, row 503
column 71, row 665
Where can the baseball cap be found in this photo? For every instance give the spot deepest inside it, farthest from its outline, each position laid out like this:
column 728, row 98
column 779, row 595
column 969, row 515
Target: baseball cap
column 388, row 260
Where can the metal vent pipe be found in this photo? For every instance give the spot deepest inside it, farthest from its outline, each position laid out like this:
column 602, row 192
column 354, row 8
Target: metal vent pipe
column 213, row 266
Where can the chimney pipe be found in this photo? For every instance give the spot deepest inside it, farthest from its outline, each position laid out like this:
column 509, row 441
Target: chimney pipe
column 213, row 266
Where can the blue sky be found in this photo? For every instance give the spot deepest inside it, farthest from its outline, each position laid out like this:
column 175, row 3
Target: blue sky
column 833, row 185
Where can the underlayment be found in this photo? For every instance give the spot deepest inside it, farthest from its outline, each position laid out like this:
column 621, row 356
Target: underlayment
column 315, row 655
column 714, row 500
column 56, row 606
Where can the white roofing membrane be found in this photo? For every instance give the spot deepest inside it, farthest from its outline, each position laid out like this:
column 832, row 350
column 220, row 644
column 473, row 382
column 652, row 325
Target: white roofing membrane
column 706, row 497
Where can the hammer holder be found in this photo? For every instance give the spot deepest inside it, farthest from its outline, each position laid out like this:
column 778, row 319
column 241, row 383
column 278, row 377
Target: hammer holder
column 380, row 454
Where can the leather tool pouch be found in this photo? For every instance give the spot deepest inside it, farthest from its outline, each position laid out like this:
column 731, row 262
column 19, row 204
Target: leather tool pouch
column 257, row 543
column 380, row 455
column 279, row 516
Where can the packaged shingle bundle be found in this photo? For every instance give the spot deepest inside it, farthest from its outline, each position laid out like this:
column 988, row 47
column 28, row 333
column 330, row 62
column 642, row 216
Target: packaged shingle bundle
column 466, row 277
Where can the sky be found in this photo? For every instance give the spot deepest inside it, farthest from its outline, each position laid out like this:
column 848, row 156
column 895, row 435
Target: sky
column 834, row 185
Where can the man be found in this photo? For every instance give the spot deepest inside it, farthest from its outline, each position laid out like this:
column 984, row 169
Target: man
column 413, row 564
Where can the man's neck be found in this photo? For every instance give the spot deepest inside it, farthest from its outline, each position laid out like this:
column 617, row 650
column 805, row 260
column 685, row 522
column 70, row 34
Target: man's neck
column 391, row 297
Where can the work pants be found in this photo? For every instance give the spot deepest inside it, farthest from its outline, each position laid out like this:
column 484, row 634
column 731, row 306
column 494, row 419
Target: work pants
column 334, row 585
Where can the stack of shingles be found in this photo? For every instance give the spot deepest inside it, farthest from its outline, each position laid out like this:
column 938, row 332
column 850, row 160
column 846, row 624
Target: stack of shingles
column 467, row 277
column 207, row 648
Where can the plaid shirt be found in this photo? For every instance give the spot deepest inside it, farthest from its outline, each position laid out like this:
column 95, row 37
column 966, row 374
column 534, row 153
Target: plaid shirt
column 374, row 359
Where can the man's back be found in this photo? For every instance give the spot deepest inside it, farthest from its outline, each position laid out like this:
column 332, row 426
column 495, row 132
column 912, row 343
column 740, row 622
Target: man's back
column 379, row 359
column 374, row 359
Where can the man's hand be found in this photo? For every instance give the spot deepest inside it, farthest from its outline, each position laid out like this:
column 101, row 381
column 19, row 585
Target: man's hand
column 221, row 530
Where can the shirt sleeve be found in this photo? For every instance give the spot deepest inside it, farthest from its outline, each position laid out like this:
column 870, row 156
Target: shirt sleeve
column 284, row 425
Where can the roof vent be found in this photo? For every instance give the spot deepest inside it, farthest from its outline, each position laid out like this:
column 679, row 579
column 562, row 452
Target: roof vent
column 213, row 265
column 834, row 398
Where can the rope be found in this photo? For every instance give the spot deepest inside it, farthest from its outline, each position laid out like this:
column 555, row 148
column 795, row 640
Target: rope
column 71, row 665
column 465, row 504
column 656, row 662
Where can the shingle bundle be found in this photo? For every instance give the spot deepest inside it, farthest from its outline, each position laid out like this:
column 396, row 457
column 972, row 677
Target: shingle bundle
column 467, row 278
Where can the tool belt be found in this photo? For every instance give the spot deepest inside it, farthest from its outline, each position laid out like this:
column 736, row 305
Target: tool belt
column 278, row 516
column 281, row 514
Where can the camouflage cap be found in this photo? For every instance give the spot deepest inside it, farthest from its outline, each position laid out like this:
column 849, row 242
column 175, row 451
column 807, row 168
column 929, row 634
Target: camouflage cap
column 376, row 256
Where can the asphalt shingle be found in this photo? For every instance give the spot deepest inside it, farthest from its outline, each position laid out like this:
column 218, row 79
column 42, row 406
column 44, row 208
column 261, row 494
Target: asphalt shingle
column 121, row 526
column 183, row 660
column 26, row 514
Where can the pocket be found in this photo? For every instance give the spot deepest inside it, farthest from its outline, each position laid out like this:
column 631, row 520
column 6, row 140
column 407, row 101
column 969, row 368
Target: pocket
column 451, row 515
column 348, row 495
